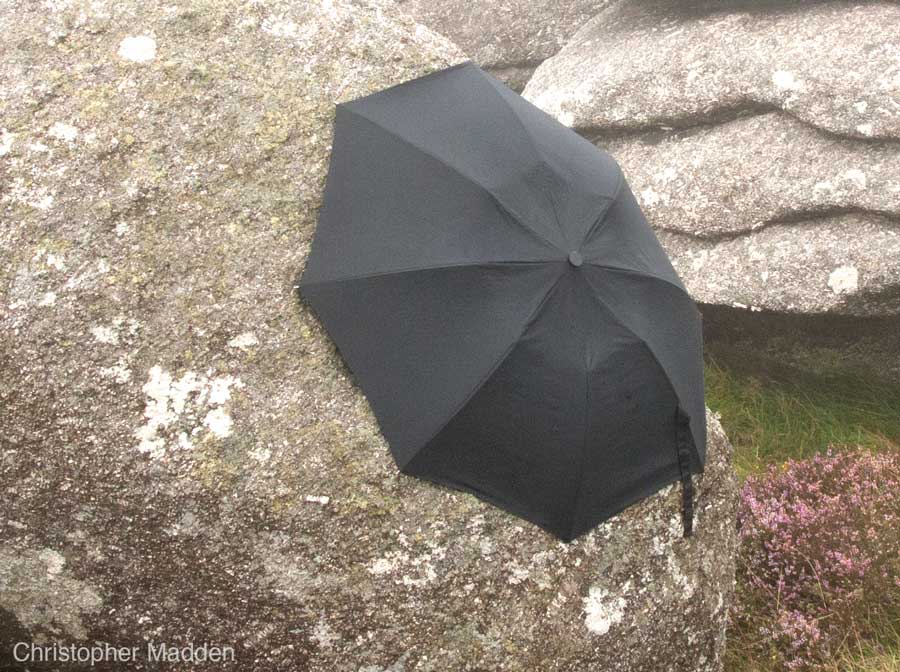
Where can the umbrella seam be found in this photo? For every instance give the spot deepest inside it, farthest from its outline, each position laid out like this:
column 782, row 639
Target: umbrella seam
column 611, row 198
column 584, row 440
column 553, row 207
column 646, row 345
column 601, row 218
column 695, row 452
column 537, row 151
column 419, row 269
column 617, row 269
column 528, row 322
column 502, row 206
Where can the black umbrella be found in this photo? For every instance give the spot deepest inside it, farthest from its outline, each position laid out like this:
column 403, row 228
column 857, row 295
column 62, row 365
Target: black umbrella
column 515, row 324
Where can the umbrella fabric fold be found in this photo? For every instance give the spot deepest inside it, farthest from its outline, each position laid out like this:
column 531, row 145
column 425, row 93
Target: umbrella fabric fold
column 502, row 302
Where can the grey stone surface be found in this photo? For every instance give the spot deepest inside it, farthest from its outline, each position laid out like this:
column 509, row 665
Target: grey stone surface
column 184, row 455
column 768, row 212
column 762, row 143
column 37, row 588
column 832, row 65
column 737, row 176
column 510, row 38
column 840, row 263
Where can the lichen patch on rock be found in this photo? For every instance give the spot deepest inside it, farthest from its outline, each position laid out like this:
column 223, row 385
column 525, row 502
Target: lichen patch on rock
column 180, row 403
column 140, row 48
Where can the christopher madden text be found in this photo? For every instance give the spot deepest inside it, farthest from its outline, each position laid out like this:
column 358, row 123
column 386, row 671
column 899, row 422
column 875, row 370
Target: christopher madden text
column 27, row 652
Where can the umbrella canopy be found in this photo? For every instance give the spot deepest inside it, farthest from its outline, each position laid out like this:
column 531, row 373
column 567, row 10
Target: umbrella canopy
column 490, row 280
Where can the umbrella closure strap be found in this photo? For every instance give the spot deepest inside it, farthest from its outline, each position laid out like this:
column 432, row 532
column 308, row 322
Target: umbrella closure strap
column 682, row 438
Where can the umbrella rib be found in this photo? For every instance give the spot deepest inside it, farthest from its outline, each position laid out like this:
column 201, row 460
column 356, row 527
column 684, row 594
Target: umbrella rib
column 537, row 150
column 584, row 440
column 602, row 217
column 499, row 203
column 646, row 345
column 419, row 269
column 630, row 271
column 496, row 365
column 612, row 197
column 556, row 214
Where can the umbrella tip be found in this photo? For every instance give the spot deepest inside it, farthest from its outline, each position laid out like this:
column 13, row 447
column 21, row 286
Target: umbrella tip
column 575, row 258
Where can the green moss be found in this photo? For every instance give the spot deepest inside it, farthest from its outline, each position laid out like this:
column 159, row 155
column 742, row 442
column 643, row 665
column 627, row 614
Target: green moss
column 95, row 102
column 216, row 468
column 374, row 503
column 275, row 128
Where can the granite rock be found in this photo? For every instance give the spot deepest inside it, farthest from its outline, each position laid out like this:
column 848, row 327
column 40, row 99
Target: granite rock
column 509, row 38
column 844, row 263
column 761, row 140
column 832, row 65
column 738, row 176
column 183, row 455
column 767, row 212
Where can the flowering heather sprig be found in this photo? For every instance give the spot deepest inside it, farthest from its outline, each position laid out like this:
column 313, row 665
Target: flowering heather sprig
column 820, row 553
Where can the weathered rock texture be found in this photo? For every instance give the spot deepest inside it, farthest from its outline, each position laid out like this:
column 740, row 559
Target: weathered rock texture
column 184, row 456
column 764, row 142
column 509, row 38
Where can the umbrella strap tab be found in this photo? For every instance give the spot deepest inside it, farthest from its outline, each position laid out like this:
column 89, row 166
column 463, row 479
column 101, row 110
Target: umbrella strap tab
column 684, row 466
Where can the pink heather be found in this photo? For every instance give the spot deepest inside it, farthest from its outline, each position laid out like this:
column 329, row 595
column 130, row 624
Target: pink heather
column 820, row 551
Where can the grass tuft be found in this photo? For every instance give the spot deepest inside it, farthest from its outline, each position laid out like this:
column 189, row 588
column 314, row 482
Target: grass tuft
column 773, row 411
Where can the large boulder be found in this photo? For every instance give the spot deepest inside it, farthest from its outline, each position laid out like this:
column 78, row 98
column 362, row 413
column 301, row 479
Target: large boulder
column 509, row 38
column 184, row 456
column 832, row 65
column 761, row 141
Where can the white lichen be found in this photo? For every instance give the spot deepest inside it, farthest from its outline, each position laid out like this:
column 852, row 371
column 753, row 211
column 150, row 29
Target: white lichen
column 220, row 389
column 517, row 573
column 181, row 401
column 324, row 635
column 138, row 49
column 844, row 280
column 63, row 131
column 6, row 141
column 55, row 261
column 856, row 177
column 219, row 423
column 103, row 334
column 602, row 610
column 280, row 27
column 682, row 580
column 649, row 197
column 261, row 454
column 244, row 341
column 387, row 564
column 562, row 103
column 118, row 372
column 785, row 80
column 53, row 560
column 410, row 571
